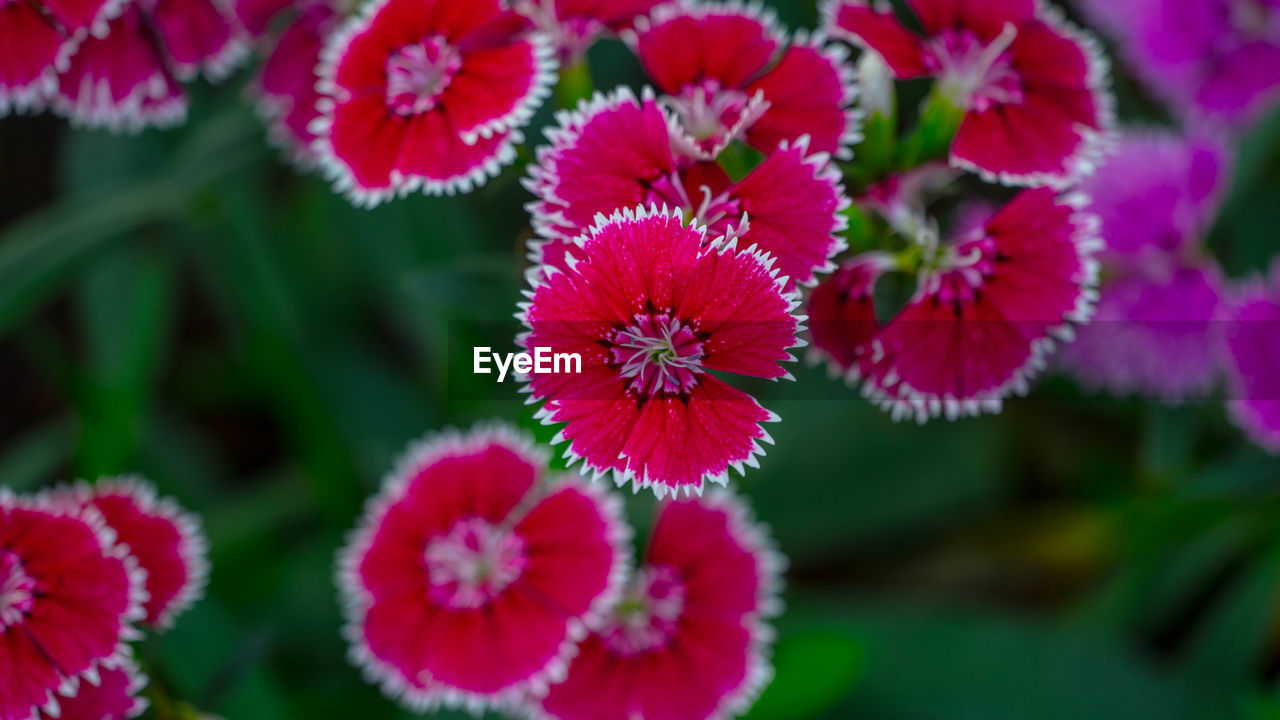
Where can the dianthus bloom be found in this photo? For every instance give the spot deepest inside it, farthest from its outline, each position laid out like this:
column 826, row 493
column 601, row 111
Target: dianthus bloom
column 131, row 77
column 67, row 597
column 730, row 74
column 984, row 315
column 286, row 86
column 167, row 542
column 428, row 94
column 471, row 578
column 688, row 639
column 575, row 25
column 650, row 307
column 1253, row 344
column 1155, row 328
column 1030, row 86
column 1217, row 59
column 615, row 153
column 113, row 694
column 38, row 39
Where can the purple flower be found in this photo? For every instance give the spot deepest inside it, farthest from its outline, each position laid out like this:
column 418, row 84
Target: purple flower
column 1253, row 344
column 1155, row 331
column 1217, row 59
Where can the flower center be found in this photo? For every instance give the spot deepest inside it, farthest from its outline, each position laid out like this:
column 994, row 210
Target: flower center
column 659, row 354
column 972, row 75
column 648, row 613
column 417, row 74
column 17, row 590
column 475, row 561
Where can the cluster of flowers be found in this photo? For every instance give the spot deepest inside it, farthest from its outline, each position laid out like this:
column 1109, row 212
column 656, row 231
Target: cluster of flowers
column 476, row 580
column 80, row 565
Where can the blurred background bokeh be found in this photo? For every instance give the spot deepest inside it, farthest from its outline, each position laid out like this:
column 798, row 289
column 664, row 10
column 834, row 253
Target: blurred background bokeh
column 185, row 305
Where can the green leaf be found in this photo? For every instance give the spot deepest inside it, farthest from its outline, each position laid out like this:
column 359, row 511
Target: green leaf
column 814, row 671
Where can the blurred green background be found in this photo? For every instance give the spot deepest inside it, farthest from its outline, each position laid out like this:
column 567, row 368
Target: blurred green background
column 184, row 305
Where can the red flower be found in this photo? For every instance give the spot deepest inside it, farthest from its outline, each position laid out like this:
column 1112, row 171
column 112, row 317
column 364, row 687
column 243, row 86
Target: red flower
column 688, row 639
column 982, row 320
column 575, row 25
column 38, row 38
column 650, row 307
column 286, row 87
column 67, row 597
column 1032, row 87
column 111, row 695
column 166, row 541
column 614, row 153
column 730, row 73
column 130, row 78
column 470, row 579
column 428, row 94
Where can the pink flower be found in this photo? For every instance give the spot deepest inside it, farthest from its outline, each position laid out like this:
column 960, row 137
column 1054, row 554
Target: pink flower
column 428, row 94
column 1156, row 329
column 112, row 696
column 166, row 541
column 650, row 307
column 470, row 579
column 984, row 315
column 68, row 596
column 131, row 77
column 688, row 640
column 729, row 73
column 1215, row 59
column 38, row 38
column 286, row 87
column 1253, row 344
column 614, row 153
column 1031, row 86
column 575, row 25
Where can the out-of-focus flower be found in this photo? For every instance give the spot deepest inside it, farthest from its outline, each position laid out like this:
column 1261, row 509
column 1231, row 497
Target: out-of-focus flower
column 688, row 639
column 470, row 579
column 114, row 695
column 650, row 307
column 1031, row 88
column 427, row 96
column 985, row 314
column 38, row 38
column 1155, row 328
column 1253, row 344
column 614, row 153
column 166, row 541
column 1215, row 59
column 730, row 73
column 131, row 77
column 285, row 90
column 575, row 25
column 68, row 596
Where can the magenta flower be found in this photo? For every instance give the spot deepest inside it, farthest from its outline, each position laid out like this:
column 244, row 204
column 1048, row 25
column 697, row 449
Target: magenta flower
column 575, row 25
column 166, row 541
column 68, row 596
column 985, row 313
column 286, row 91
column 650, row 307
column 428, row 95
column 470, row 579
column 1216, row 59
column 614, row 153
column 38, row 40
column 729, row 73
column 1155, row 331
column 1253, row 344
column 114, row 695
column 131, row 77
column 688, row 639
column 1031, row 86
